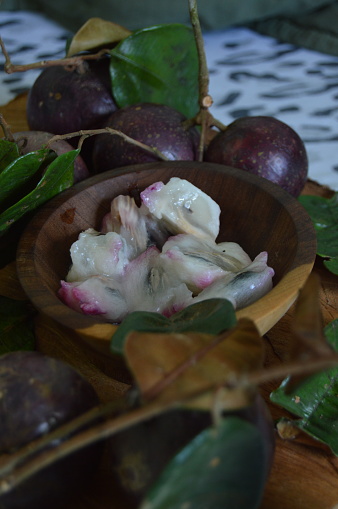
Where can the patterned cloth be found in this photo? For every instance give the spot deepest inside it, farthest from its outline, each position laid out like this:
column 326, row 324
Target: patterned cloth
column 250, row 74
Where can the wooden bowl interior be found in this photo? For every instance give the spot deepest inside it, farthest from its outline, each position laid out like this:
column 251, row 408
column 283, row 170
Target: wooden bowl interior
column 255, row 213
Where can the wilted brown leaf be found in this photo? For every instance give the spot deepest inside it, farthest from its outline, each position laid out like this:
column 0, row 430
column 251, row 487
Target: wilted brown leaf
column 96, row 33
column 174, row 366
column 307, row 331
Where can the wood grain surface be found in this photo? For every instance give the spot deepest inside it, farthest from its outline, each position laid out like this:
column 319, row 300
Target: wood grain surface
column 304, row 473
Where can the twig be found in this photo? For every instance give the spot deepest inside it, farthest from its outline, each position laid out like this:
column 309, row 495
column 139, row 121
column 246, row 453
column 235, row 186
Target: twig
column 83, row 134
column 76, row 61
column 98, row 432
column 205, row 100
column 6, row 128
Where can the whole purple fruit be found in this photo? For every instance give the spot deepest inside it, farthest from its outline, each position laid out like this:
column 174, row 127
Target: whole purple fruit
column 155, row 125
column 37, row 395
column 264, row 146
column 67, row 99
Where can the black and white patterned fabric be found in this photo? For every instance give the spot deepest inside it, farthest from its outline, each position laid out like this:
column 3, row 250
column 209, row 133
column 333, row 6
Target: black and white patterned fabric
column 250, row 74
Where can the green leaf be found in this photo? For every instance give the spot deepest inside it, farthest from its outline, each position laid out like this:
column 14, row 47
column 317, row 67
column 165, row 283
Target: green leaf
column 17, row 174
column 58, row 176
column 16, row 325
column 332, row 265
column 159, row 65
column 324, row 215
column 315, row 401
column 8, row 153
column 210, row 316
column 224, row 466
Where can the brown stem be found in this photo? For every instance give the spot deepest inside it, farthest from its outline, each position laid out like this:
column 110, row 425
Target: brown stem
column 6, row 129
column 83, row 134
column 12, row 477
column 76, row 61
column 205, row 100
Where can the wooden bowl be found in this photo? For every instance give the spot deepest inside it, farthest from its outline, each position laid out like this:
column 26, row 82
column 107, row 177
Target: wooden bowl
column 257, row 214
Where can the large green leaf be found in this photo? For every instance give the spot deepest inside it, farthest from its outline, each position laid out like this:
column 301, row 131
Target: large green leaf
column 159, row 65
column 18, row 173
column 210, row 316
column 8, row 153
column 223, row 467
column 324, row 215
column 315, row 401
column 58, row 176
column 16, row 325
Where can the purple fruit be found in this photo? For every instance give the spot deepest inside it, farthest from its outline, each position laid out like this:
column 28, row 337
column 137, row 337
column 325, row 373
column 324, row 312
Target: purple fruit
column 68, row 99
column 155, row 125
column 38, row 394
column 264, row 146
column 30, row 141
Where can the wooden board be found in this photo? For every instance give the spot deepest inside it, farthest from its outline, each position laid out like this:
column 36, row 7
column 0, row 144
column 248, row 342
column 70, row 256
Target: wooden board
column 304, row 473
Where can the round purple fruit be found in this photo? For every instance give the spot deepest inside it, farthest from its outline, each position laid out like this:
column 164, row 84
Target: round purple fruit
column 264, row 146
column 155, row 125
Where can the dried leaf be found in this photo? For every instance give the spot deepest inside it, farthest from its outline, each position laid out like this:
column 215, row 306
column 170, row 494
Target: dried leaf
column 309, row 341
column 179, row 365
column 96, row 33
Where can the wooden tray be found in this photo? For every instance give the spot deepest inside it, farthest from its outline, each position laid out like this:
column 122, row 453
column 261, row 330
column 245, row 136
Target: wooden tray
column 304, row 473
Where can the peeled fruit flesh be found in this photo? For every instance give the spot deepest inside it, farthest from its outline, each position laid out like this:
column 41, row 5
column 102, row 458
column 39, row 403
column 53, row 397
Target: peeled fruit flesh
column 155, row 125
column 264, row 146
column 38, row 394
column 30, row 141
column 67, row 99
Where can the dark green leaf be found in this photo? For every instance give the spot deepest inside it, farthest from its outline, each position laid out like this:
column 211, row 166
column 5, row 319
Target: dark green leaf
column 16, row 325
column 58, row 176
column 315, row 401
column 332, row 265
column 223, row 467
column 157, row 64
column 14, row 178
column 211, row 316
column 324, row 215
column 8, row 153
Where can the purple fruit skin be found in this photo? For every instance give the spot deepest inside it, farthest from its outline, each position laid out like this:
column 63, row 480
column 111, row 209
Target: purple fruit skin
column 154, row 125
column 29, row 141
column 38, row 394
column 64, row 100
column 264, row 146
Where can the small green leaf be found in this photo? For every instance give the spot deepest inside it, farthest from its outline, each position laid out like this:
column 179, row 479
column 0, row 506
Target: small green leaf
column 315, row 401
column 211, row 316
column 159, row 65
column 324, row 215
column 16, row 325
column 8, row 153
column 58, row 176
column 17, row 174
column 224, row 466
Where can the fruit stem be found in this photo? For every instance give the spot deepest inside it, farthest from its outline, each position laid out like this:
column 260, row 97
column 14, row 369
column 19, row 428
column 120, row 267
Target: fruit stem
column 205, row 100
column 10, row 478
column 76, row 61
column 83, row 134
column 6, row 129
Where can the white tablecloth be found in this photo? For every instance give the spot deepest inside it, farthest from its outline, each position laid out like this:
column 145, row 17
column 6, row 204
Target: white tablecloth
column 250, row 74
